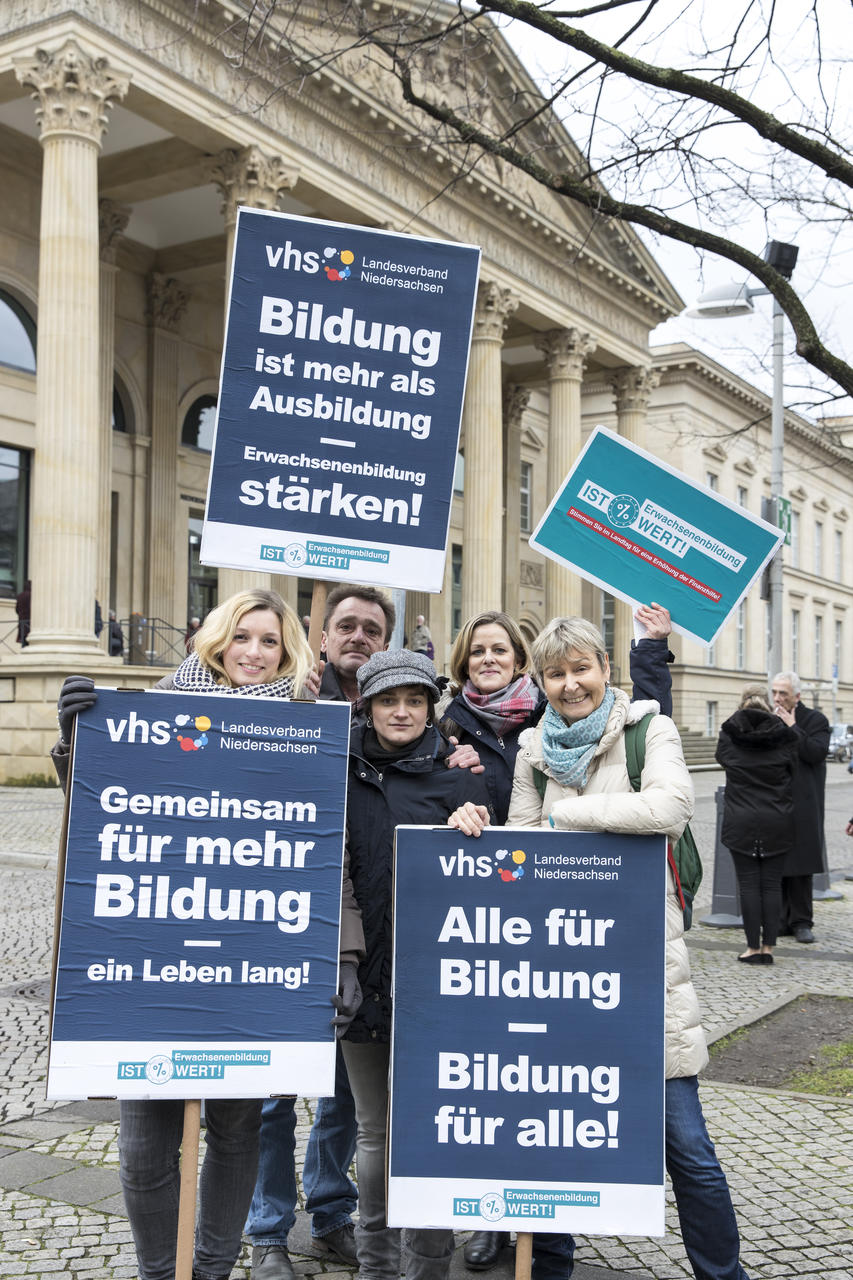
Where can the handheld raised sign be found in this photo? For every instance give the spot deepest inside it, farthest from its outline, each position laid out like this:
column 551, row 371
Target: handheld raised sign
column 527, row 1056
column 343, row 377
column 643, row 531
column 198, row 943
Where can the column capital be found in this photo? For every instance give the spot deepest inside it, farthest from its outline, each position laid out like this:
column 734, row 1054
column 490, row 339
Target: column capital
column 112, row 220
column 248, row 176
column 516, row 400
column 565, row 351
column 633, row 386
column 167, row 301
column 73, row 90
column 493, row 310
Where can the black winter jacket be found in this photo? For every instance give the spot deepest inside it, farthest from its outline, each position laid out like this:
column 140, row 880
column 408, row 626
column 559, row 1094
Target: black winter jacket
column 497, row 753
column 419, row 791
column 651, row 679
column 759, row 754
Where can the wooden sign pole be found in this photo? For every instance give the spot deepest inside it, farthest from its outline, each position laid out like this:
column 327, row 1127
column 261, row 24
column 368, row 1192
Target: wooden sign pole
column 318, row 609
column 523, row 1255
column 189, row 1186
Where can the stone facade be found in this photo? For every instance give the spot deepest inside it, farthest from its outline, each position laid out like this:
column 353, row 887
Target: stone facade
column 128, row 135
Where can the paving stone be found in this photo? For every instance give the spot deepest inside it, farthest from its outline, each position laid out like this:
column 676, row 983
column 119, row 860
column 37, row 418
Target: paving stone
column 80, row 1185
column 24, row 1167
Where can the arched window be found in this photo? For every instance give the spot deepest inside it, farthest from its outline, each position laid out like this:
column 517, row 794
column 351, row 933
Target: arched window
column 17, row 335
column 122, row 412
column 199, row 422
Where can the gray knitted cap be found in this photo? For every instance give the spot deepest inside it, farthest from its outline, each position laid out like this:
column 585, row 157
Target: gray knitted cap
column 391, row 668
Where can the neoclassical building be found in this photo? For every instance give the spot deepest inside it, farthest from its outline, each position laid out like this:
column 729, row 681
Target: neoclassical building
column 129, row 136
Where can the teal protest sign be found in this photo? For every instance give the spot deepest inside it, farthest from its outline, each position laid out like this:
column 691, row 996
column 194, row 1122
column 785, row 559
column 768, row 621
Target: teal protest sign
column 643, row 531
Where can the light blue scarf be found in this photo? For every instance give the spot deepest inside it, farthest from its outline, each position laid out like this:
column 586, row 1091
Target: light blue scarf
column 568, row 748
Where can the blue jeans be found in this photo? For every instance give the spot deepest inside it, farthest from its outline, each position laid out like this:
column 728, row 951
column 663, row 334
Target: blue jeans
column 708, row 1224
column 331, row 1195
column 149, row 1142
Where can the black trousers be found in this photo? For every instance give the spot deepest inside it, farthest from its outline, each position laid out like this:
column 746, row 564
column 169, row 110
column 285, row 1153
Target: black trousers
column 796, row 902
column 760, row 884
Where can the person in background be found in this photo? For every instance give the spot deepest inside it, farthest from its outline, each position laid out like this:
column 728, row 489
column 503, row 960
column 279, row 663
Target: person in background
column 397, row 776
column 759, row 755
column 251, row 645
column 115, row 638
column 805, row 859
column 22, row 608
column 421, row 637
column 191, row 633
column 99, row 619
column 493, row 699
column 571, row 773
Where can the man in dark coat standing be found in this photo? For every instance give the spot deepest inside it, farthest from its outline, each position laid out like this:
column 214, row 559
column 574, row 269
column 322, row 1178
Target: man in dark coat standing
column 806, row 857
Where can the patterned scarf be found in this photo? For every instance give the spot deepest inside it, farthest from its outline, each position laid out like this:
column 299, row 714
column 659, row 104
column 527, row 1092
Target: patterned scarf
column 193, row 677
column 507, row 708
column 568, row 748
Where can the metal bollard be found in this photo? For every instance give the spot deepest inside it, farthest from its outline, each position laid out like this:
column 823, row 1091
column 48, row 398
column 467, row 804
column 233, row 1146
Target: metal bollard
column 821, row 884
column 725, row 902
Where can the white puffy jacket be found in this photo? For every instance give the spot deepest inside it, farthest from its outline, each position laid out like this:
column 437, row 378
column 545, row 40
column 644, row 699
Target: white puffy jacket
column 608, row 803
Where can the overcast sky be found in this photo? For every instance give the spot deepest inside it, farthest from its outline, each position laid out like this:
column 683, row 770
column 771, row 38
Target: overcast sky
column 824, row 272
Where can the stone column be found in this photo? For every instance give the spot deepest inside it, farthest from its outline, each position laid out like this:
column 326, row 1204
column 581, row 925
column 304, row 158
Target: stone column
column 112, row 220
column 167, row 301
column 565, row 352
column 632, row 389
column 483, row 427
column 73, row 93
column 249, row 177
column 516, row 400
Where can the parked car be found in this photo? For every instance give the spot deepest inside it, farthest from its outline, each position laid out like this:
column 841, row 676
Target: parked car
column 840, row 742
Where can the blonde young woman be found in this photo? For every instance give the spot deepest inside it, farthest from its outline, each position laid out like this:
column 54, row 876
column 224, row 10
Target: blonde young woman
column 252, row 645
column 579, row 747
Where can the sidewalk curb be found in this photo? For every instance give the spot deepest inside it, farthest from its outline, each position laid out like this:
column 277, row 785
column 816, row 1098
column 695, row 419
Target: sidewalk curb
column 747, row 1019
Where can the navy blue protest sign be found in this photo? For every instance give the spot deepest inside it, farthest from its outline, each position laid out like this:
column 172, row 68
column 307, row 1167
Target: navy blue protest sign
column 198, row 943
column 528, row 1040
column 343, row 376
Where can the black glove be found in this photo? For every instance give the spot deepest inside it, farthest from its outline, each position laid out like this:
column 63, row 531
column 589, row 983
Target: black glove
column 77, row 693
column 348, row 1002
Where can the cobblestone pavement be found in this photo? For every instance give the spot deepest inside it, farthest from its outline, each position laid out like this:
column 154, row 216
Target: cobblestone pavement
column 787, row 1155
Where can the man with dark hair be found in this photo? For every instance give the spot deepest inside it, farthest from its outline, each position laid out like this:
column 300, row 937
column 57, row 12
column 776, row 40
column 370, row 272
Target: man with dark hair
column 358, row 622
column 806, row 858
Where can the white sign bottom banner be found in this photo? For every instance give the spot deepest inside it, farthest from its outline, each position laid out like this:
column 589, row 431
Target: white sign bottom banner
column 477, row 1204
column 203, row 1069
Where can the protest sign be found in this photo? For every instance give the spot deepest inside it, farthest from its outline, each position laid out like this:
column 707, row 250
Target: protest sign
column 636, row 527
column 343, row 376
column 198, row 941
column 528, row 1037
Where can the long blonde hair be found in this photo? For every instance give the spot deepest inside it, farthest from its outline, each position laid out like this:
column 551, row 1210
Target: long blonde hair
column 218, row 629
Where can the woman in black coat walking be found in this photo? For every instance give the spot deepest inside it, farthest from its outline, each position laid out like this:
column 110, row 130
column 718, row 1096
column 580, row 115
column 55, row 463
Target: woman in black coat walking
column 759, row 755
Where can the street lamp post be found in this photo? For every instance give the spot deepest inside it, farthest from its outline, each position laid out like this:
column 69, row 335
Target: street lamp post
column 732, row 300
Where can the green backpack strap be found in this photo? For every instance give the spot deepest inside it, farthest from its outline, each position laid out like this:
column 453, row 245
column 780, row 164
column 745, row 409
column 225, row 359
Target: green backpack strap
column 684, row 857
column 540, row 781
column 635, row 749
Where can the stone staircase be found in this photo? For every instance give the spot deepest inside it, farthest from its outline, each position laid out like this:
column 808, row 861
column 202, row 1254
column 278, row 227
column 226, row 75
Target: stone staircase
column 698, row 750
